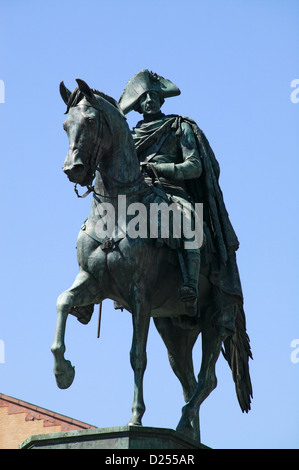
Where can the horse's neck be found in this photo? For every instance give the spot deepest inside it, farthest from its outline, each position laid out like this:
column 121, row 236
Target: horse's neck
column 117, row 180
column 118, row 165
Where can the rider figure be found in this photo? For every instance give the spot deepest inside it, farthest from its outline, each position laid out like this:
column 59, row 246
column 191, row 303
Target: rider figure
column 167, row 150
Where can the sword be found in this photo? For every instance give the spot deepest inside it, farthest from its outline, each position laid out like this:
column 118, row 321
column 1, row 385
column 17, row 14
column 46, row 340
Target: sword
column 99, row 319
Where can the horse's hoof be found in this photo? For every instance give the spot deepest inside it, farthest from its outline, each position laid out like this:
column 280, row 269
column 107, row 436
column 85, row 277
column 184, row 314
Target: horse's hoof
column 134, row 421
column 130, row 423
column 185, row 427
column 65, row 379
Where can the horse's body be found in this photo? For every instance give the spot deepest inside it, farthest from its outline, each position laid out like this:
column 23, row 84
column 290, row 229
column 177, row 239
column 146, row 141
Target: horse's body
column 142, row 278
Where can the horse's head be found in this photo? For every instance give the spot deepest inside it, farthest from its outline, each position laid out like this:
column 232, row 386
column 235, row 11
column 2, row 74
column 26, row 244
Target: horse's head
column 84, row 127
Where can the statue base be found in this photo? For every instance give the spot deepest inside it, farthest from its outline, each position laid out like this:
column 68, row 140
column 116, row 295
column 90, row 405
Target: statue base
column 123, row 437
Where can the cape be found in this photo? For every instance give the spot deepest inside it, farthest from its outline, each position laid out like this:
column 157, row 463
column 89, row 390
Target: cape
column 223, row 273
column 206, row 189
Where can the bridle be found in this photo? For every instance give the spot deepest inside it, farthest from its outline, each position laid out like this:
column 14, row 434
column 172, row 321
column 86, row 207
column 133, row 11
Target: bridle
column 90, row 188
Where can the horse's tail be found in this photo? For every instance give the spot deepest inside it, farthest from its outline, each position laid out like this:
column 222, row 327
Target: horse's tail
column 237, row 353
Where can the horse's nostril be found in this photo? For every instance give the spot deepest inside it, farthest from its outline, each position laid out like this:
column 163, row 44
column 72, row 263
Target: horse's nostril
column 76, row 169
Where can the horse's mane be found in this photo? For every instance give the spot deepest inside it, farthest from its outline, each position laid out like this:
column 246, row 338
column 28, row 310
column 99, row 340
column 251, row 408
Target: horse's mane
column 76, row 96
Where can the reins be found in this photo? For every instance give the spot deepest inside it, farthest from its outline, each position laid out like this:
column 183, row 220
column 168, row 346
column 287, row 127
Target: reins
column 91, row 189
column 122, row 183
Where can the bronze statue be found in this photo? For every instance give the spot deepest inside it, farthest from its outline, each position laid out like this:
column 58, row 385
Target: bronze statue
column 164, row 158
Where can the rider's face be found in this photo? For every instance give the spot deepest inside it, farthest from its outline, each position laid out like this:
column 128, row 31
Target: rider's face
column 150, row 102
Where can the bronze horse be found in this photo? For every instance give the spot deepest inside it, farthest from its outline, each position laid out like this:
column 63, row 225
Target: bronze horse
column 136, row 274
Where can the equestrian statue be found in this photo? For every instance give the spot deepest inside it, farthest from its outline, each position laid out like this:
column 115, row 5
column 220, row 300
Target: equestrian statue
column 187, row 285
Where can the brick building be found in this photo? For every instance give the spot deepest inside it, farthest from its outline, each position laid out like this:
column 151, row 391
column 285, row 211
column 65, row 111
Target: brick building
column 20, row 420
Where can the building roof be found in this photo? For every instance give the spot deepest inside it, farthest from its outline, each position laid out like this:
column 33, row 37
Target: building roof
column 34, row 412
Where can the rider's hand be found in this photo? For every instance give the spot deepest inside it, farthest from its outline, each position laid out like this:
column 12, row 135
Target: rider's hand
column 147, row 169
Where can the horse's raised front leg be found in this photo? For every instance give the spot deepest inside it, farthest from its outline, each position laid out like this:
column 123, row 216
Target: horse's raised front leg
column 211, row 347
column 83, row 292
column 141, row 319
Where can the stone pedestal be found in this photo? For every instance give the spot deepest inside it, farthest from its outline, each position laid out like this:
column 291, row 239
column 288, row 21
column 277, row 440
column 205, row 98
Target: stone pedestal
column 124, row 437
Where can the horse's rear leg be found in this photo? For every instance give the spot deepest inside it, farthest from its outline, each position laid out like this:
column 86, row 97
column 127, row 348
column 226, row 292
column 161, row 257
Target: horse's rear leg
column 179, row 343
column 141, row 320
column 83, row 292
column 211, row 347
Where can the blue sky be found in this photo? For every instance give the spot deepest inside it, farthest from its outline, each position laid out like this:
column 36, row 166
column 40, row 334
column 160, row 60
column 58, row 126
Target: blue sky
column 234, row 62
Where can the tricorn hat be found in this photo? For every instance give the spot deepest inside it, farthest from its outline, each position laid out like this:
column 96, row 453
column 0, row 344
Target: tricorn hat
column 142, row 82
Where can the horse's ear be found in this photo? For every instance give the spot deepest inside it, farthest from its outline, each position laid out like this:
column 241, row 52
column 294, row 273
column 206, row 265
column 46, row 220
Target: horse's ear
column 87, row 92
column 65, row 93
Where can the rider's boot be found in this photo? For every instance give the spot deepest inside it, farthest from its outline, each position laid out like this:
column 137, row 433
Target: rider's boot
column 188, row 292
